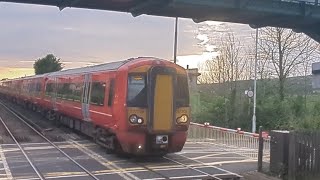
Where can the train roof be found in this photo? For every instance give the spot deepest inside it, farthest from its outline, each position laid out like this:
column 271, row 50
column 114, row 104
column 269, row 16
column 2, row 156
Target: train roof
column 100, row 67
column 94, row 68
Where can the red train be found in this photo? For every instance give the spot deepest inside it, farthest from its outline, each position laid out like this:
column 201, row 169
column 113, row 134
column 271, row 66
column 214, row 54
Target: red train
column 137, row 106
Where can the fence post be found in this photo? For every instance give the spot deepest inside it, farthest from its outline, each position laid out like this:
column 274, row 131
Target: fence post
column 292, row 157
column 260, row 151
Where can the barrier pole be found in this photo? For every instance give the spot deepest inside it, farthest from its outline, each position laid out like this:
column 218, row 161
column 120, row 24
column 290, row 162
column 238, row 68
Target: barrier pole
column 260, row 151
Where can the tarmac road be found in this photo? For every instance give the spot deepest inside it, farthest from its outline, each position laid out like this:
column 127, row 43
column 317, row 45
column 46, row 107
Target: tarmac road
column 195, row 161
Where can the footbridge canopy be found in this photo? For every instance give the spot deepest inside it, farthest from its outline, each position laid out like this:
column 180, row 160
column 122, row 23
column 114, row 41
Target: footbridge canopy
column 301, row 16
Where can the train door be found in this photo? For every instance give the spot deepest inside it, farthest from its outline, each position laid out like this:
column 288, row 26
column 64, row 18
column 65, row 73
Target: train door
column 162, row 98
column 86, row 97
column 54, row 94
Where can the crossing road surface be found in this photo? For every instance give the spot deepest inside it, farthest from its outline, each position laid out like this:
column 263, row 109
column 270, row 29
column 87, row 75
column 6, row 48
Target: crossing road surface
column 196, row 161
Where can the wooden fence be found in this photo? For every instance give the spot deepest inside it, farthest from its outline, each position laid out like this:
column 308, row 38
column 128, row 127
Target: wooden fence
column 304, row 155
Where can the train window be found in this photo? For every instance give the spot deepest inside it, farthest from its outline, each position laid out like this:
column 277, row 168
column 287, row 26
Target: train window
column 69, row 91
column 30, row 88
column 38, row 88
column 76, row 91
column 59, row 91
column 111, row 92
column 98, row 93
column 64, row 91
column 24, row 87
column 137, row 91
column 49, row 89
column 182, row 91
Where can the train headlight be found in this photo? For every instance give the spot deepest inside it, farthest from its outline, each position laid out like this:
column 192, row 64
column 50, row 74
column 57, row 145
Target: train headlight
column 182, row 119
column 140, row 121
column 133, row 119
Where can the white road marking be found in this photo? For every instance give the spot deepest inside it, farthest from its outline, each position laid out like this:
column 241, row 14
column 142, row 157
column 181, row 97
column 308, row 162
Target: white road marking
column 5, row 164
column 103, row 160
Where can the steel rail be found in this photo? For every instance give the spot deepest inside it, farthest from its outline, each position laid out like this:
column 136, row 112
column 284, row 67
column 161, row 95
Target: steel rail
column 22, row 150
column 59, row 149
column 189, row 167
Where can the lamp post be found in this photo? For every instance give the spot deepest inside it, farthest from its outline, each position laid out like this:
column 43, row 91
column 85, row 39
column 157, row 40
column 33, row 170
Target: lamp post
column 255, row 86
column 175, row 41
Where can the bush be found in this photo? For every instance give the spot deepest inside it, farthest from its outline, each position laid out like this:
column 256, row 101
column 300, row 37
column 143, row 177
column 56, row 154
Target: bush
column 235, row 111
column 212, row 110
column 298, row 106
column 273, row 114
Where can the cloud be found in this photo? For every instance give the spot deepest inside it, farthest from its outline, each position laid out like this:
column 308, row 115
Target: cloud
column 204, row 38
column 82, row 37
column 194, row 60
column 29, row 32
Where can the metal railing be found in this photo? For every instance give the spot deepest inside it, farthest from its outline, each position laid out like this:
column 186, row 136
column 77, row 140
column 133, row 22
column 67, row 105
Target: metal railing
column 241, row 142
column 311, row 2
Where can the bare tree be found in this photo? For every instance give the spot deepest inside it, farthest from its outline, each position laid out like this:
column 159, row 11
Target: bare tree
column 210, row 71
column 229, row 66
column 226, row 69
column 286, row 50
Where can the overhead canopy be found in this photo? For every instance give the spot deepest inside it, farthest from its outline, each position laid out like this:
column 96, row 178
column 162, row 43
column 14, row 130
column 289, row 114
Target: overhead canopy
column 301, row 16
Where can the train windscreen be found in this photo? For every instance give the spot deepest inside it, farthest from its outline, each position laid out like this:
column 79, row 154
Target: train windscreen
column 137, row 91
column 182, row 91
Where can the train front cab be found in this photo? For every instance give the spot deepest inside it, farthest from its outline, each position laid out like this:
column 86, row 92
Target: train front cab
column 158, row 111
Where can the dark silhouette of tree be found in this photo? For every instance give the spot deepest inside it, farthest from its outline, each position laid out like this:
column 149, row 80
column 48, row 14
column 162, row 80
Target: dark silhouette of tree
column 47, row 64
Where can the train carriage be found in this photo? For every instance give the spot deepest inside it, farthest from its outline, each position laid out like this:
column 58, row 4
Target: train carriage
column 136, row 106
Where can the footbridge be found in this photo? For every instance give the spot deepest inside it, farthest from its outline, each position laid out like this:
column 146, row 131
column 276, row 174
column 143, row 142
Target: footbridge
column 301, row 16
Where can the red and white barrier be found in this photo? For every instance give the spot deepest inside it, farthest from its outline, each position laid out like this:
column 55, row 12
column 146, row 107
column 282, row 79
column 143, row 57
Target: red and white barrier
column 265, row 135
column 230, row 139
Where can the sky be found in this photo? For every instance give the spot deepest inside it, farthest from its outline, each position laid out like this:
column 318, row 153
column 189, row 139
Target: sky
column 81, row 37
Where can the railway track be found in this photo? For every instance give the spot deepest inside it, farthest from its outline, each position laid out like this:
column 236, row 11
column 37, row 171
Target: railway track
column 36, row 169
column 148, row 166
column 22, row 150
